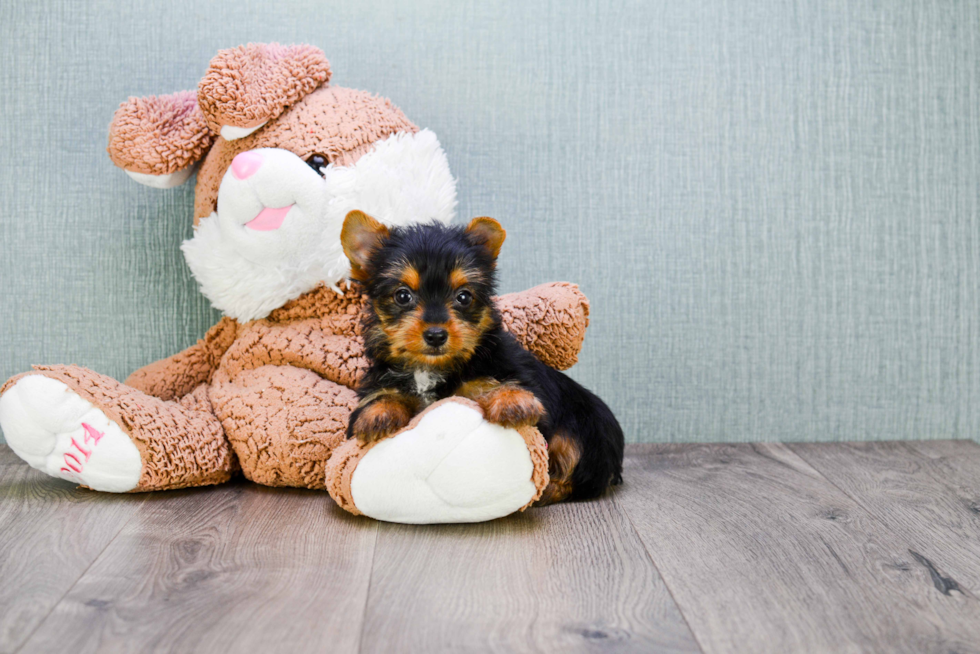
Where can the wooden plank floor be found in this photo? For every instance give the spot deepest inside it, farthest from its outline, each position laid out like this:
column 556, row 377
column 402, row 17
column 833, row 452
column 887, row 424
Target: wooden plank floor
column 870, row 547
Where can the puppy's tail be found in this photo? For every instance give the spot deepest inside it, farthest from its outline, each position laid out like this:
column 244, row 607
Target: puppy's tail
column 563, row 456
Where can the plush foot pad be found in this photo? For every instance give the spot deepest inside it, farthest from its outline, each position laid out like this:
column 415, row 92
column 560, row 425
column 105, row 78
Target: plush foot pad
column 451, row 466
column 54, row 430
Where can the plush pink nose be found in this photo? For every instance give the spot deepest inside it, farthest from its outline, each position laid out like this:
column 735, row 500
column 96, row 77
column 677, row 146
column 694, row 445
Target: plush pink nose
column 245, row 164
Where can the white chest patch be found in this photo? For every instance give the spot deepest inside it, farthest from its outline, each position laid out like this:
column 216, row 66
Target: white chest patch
column 425, row 383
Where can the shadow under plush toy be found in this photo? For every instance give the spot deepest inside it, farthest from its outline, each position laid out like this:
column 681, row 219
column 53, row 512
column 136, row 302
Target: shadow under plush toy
column 268, row 390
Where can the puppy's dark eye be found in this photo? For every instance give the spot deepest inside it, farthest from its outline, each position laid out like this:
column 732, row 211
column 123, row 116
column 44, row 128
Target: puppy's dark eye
column 404, row 297
column 317, row 162
column 464, row 298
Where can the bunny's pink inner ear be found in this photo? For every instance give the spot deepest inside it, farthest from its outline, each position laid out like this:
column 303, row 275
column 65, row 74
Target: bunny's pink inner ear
column 157, row 139
column 247, row 86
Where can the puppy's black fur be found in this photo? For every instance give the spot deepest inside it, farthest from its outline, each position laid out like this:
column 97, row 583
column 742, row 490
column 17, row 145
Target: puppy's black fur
column 434, row 277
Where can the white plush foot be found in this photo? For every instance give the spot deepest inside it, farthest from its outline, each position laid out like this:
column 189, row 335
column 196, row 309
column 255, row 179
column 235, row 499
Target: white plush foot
column 452, row 467
column 61, row 434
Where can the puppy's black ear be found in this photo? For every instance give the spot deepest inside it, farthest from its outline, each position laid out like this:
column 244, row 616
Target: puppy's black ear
column 361, row 235
column 488, row 233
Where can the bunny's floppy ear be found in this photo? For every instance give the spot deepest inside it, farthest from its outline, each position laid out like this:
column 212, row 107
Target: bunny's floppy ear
column 158, row 139
column 247, row 86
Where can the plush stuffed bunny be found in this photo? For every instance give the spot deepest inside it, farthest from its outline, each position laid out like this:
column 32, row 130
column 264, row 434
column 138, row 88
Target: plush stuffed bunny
column 268, row 390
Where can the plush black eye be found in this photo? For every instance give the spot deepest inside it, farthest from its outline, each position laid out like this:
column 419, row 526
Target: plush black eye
column 404, row 297
column 464, row 298
column 317, row 162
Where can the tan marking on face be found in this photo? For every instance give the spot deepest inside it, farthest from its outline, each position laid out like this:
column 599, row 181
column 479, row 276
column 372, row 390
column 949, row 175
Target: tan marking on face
column 461, row 276
column 404, row 334
column 470, row 335
column 458, row 278
column 403, row 338
column 410, row 278
column 406, row 344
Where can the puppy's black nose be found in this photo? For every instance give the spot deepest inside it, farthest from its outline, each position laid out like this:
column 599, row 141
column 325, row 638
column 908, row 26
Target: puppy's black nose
column 435, row 336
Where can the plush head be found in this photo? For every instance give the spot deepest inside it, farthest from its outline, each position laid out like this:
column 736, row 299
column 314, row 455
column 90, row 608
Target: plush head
column 431, row 287
column 281, row 158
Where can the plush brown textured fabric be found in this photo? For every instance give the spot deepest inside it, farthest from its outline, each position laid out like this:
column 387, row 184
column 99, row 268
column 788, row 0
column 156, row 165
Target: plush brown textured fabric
column 254, row 83
column 159, row 134
column 340, row 468
column 341, row 124
column 346, row 456
column 302, row 344
column 198, row 399
column 180, row 445
column 537, row 447
column 342, row 312
column 283, row 422
column 177, row 375
column 550, row 320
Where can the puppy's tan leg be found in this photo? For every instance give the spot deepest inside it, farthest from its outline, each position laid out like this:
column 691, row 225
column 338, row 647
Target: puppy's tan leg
column 381, row 414
column 505, row 404
column 563, row 456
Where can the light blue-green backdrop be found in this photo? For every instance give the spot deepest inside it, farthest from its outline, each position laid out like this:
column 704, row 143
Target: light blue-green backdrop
column 772, row 206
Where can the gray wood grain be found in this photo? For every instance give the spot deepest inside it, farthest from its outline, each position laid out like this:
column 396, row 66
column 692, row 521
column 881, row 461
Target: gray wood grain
column 928, row 492
column 50, row 532
column 760, row 550
column 566, row 578
column 763, row 554
column 234, row 568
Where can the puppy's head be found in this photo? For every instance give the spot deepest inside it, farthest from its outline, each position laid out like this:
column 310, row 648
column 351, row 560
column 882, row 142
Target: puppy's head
column 430, row 286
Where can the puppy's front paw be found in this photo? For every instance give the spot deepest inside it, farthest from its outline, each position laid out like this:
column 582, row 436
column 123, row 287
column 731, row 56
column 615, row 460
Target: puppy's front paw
column 379, row 420
column 511, row 406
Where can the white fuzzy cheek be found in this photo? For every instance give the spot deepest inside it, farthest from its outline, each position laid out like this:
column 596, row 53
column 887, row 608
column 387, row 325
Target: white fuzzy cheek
column 275, row 179
column 258, row 247
column 237, row 204
column 241, row 201
column 283, row 188
column 246, row 274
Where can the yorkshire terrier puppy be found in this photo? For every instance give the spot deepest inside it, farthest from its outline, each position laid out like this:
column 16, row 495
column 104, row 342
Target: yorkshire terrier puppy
column 433, row 331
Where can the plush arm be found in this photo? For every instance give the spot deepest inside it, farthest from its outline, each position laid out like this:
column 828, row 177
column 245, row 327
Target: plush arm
column 549, row 320
column 178, row 375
